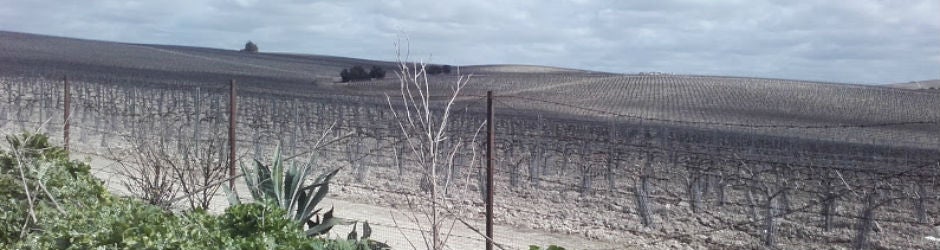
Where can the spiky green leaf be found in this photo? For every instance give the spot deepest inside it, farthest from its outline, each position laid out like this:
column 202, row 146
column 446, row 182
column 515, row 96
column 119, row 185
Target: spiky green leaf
column 366, row 230
column 231, row 195
column 352, row 235
column 328, row 222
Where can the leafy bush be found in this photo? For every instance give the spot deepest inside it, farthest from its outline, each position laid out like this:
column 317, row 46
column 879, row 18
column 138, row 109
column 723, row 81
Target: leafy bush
column 250, row 219
column 91, row 219
column 261, row 226
column 33, row 162
column 131, row 224
column 122, row 224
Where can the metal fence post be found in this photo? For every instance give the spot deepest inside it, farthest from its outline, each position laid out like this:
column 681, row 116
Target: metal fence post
column 232, row 107
column 66, row 103
column 490, row 128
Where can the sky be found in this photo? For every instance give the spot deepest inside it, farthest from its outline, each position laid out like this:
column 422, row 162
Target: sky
column 856, row 41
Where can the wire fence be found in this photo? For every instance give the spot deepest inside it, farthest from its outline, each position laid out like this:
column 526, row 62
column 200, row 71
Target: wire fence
column 699, row 180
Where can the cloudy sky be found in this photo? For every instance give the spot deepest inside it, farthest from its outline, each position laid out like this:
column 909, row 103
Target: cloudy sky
column 857, row 41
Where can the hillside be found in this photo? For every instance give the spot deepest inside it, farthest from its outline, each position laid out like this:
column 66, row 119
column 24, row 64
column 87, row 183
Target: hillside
column 749, row 105
column 648, row 161
column 926, row 84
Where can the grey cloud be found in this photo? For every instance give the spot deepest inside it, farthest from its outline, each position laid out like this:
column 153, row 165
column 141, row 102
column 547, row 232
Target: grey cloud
column 863, row 41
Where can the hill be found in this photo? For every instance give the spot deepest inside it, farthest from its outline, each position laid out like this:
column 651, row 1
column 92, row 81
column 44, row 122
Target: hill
column 926, row 84
column 778, row 107
column 622, row 158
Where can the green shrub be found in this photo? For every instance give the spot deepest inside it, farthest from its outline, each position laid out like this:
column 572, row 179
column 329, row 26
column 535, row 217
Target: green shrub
column 70, row 182
column 250, row 219
column 123, row 224
column 552, row 247
column 264, row 226
column 131, row 224
column 92, row 219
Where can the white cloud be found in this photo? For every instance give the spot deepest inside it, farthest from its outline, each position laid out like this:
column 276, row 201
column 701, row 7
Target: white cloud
column 866, row 41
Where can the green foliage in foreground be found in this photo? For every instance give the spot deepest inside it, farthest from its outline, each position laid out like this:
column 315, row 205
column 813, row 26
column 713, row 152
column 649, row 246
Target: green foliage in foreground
column 552, row 247
column 129, row 224
column 31, row 162
column 282, row 184
column 90, row 218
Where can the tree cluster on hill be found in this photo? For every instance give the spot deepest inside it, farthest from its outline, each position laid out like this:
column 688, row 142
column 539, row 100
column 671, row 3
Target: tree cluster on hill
column 250, row 47
column 358, row 73
column 434, row 69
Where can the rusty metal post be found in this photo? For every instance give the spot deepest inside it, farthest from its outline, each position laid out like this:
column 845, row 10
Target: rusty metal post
column 67, row 102
column 232, row 106
column 490, row 128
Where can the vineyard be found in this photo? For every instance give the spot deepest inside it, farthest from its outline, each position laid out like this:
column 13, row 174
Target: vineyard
column 638, row 161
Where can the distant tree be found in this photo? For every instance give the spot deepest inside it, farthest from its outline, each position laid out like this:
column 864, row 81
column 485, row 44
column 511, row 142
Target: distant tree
column 250, row 47
column 355, row 73
column 433, row 69
column 358, row 73
column 344, row 75
column 376, row 72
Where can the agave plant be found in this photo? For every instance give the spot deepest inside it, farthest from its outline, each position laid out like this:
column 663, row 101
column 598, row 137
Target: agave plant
column 275, row 185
